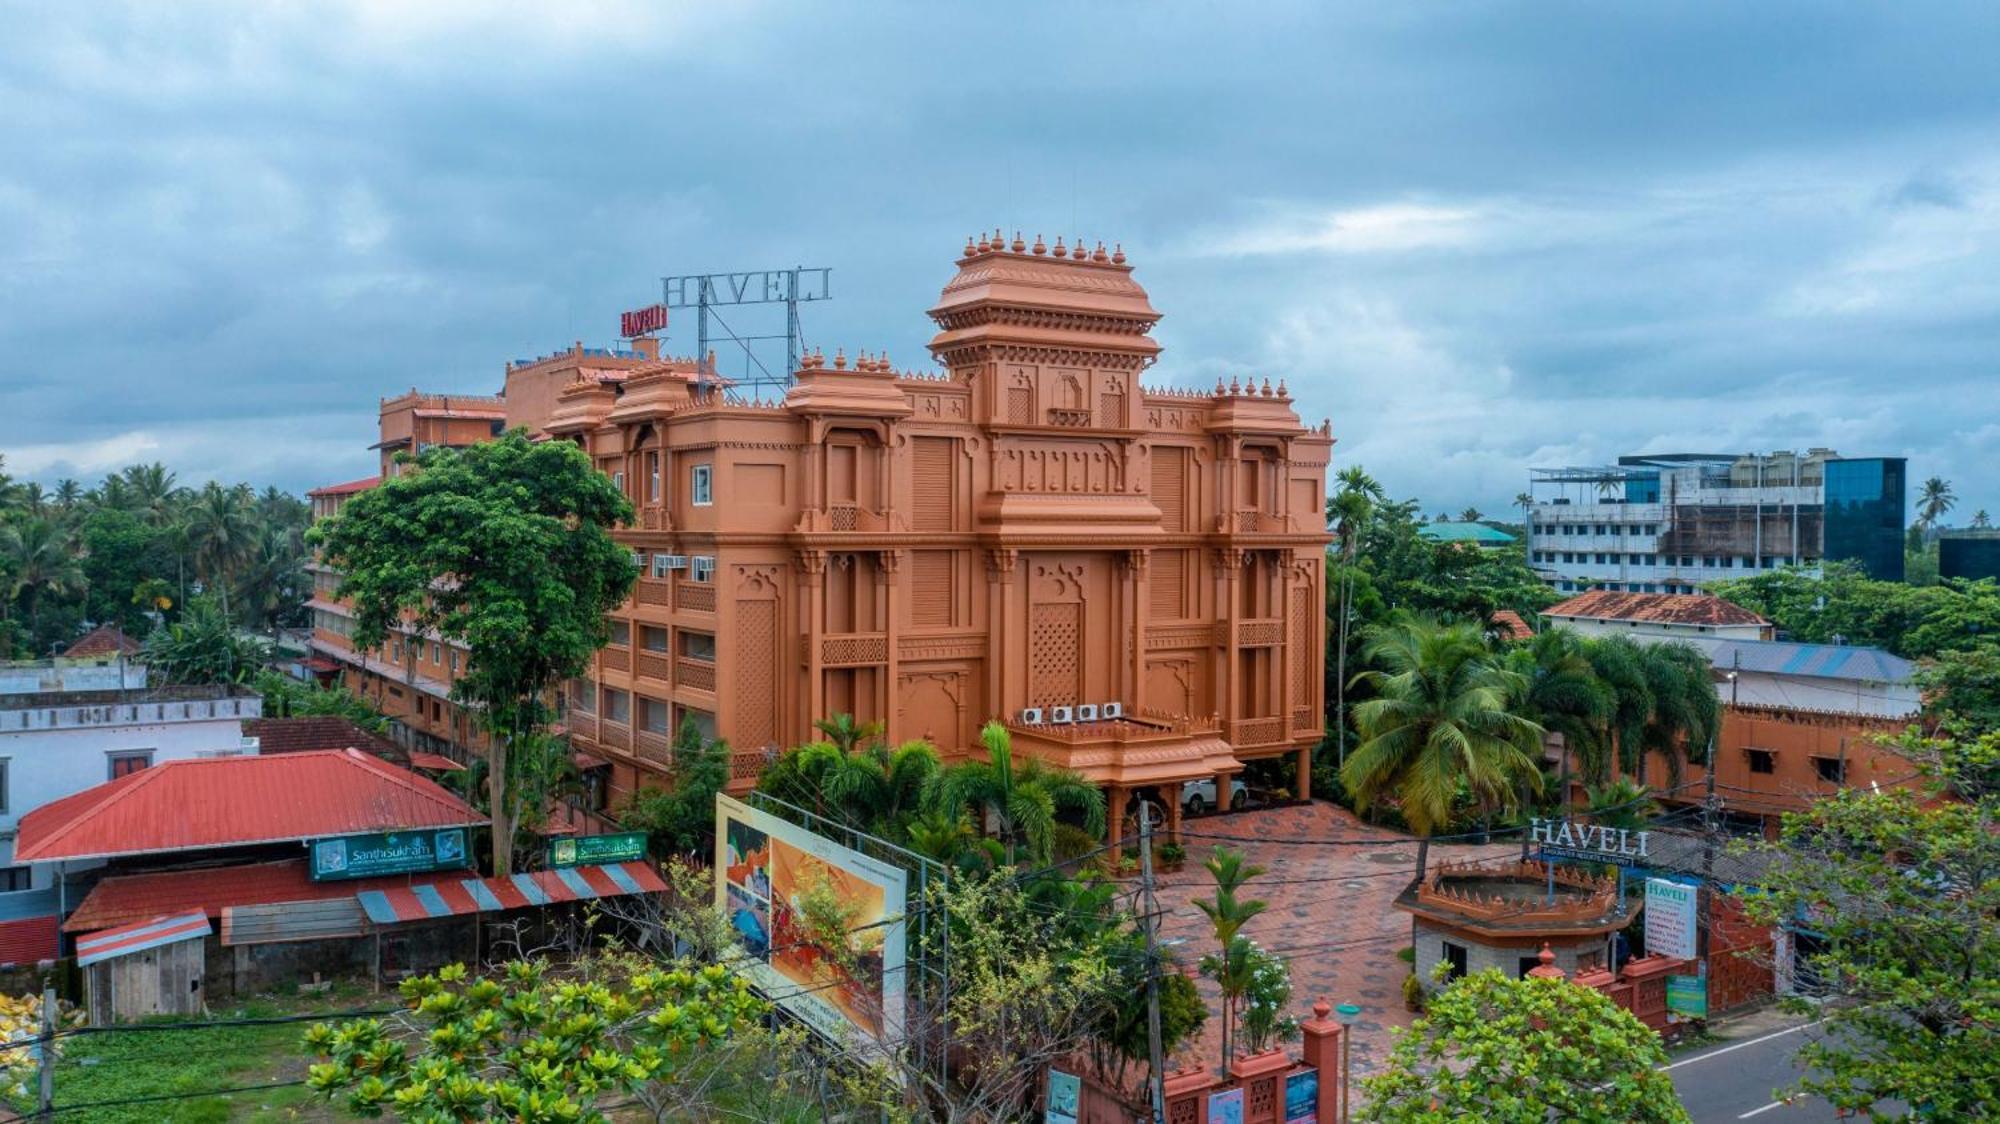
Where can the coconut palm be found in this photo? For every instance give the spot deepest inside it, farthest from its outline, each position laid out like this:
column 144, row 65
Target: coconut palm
column 153, row 491
column 1561, row 692
column 1981, row 520
column 1471, row 515
column 1021, row 799
column 1621, row 803
column 1620, row 664
column 1348, row 512
column 68, row 495
column 1685, row 712
column 40, row 559
column 846, row 733
column 1934, row 499
column 222, row 532
column 1441, row 721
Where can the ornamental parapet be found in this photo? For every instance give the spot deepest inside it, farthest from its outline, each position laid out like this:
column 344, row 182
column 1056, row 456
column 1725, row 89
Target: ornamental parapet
column 1515, row 897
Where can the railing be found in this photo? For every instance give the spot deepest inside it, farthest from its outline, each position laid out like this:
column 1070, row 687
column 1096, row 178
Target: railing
column 616, row 659
column 843, row 517
column 696, row 674
column 695, row 597
column 654, row 519
column 1583, row 896
column 653, row 665
column 1256, row 731
column 653, row 592
column 854, row 649
column 1260, row 633
column 1074, row 418
column 1255, row 523
column 746, row 764
column 654, row 747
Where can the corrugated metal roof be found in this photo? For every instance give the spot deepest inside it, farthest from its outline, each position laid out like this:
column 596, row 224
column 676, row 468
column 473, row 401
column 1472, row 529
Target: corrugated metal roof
column 279, row 922
column 237, row 801
column 1465, row 532
column 123, row 899
column 28, row 940
column 128, row 939
column 347, row 488
column 542, row 887
column 1819, row 661
column 1656, row 608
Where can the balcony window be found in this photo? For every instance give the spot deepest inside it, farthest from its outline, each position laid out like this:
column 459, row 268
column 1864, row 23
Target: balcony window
column 700, row 485
column 617, row 705
column 583, row 696
column 653, row 638
column 621, row 634
column 1832, row 770
column 698, row 646
column 655, row 717
column 1762, row 760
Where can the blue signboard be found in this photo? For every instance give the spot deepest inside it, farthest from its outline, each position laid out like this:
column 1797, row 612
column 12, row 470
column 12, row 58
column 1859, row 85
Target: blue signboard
column 1302, row 1097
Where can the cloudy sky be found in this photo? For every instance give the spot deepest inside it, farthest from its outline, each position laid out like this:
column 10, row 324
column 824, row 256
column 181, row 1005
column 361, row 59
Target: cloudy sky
column 1479, row 237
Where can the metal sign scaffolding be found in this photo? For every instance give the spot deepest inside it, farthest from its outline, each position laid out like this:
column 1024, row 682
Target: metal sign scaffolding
column 708, row 293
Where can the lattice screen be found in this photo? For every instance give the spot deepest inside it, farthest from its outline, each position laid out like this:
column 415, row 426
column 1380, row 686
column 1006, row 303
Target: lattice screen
column 930, row 482
column 932, row 598
column 756, row 674
column 1168, row 584
column 1170, row 487
column 1055, row 635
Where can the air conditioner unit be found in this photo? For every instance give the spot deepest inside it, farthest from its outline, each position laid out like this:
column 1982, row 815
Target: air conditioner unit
column 701, row 568
column 1062, row 716
column 1112, row 710
column 1087, row 712
column 1032, row 716
column 638, row 560
column 675, row 561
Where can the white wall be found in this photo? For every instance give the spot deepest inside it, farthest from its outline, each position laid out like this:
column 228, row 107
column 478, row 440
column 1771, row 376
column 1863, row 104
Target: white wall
column 1837, row 696
column 1658, row 630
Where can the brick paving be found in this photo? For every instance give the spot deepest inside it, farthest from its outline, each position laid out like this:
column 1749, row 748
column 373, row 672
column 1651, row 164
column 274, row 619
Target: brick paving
column 1330, row 913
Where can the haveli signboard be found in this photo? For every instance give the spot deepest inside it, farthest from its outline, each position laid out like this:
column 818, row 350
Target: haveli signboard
column 390, row 852
column 576, row 850
column 1670, row 919
column 1565, row 839
column 642, row 321
column 766, row 867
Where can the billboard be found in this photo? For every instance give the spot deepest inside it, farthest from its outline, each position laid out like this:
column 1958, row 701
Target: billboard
column 390, row 852
column 1670, row 919
column 591, row 850
column 821, row 927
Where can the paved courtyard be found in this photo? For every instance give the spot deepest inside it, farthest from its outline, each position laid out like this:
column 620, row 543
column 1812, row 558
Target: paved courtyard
column 1330, row 912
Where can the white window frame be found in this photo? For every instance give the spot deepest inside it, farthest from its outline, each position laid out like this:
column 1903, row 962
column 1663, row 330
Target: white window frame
column 701, row 485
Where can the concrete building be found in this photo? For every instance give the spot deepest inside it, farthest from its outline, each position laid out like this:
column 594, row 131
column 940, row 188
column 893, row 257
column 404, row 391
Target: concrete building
column 1657, row 616
column 1130, row 577
column 1970, row 554
column 1470, row 534
column 1668, row 523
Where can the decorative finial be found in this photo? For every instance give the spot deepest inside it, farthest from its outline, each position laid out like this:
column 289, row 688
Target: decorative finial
column 983, row 244
column 1018, row 245
column 1321, row 1010
column 1039, row 247
column 1076, row 250
column 968, row 247
column 1060, row 252
column 1118, row 254
column 1098, row 254
column 1281, row 387
column 840, row 359
column 1267, row 386
column 1235, row 387
column 1218, row 384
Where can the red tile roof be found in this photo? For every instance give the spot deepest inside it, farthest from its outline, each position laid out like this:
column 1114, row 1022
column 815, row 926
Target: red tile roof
column 1656, row 608
column 210, row 802
column 1508, row 623
column 347, row 489
column 434, row 762
column 317, row 731
column 104, row 640
column 126, row 898
column 28, row 941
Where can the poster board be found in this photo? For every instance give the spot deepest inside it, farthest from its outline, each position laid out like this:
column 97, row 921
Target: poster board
column 765, row 869
column 1302, row 1097
column 1065, row 1098
column 1226, row 1107
column 1687, row 996
column 1670, row 919
column 593, row 850
column 390, row 852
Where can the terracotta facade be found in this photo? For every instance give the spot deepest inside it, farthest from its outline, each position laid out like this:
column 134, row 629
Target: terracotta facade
column 1025, row 527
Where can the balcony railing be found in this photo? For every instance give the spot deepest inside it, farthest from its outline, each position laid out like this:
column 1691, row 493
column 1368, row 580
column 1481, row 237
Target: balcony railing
column 653, row 665
column 843, row 517
column 1251, row 732
column 696, row 674
column 695, row 597
column 655, row 747
column 616, row 659
column 651, row 592
column 854, row 649
column 1260, row 633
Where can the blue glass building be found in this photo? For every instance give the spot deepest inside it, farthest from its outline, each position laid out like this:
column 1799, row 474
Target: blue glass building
column 1865, row 514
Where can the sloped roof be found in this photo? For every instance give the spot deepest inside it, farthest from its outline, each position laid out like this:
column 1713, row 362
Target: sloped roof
column 317, row 731
column 208, row 802
column 126, row 898
column 104, row 640
column 1509, row 623
column 1655, row 608
column 1822, row 661
column 348, row 488
column 1465, row 532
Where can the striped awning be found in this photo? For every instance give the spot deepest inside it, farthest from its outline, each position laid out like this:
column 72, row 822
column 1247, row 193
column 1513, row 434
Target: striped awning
column 128, row 939
column 541, row 887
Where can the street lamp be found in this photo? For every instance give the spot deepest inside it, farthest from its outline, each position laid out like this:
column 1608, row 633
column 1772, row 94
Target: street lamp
column 1346, row 1013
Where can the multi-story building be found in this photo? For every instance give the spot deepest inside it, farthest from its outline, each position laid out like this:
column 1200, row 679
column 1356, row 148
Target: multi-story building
column 1667, row 523
column 1130, row 578
column 1970, row 554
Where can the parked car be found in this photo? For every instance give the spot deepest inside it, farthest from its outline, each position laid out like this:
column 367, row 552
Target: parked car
column 1199, row 796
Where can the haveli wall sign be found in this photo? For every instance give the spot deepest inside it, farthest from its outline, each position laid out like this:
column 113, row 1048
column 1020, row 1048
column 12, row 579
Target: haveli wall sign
column 1566, row 839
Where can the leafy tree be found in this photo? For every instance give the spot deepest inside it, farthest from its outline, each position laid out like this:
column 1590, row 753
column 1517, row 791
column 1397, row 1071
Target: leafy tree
column 1023, row 798
column 285, row 697
column 1471, row 515
column 1441, row 721
column 1962, row 688
column 1266, row 992
column 1523, row 1051
column 1844, row 605
column 504, row 548
column 1621, row 803
column 1903, row 892
column 1121, row 1035
column 952, row 840
column 681, row 820
column 41, row 562
column 119, row 554
column 203, row 647
column 533, row 1046
column 1980, row 520
column 222, row 533
column 855, row 778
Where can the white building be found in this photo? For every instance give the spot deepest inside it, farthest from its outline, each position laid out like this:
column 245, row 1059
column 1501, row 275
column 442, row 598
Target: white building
column 58, row 743
column 1658, row 616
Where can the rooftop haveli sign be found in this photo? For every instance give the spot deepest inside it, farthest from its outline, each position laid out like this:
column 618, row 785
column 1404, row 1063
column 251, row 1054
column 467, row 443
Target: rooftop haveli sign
column 1565, row 839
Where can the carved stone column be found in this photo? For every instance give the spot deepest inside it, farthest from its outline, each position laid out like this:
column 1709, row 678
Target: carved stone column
column 888, row 573
column 1138, row 584
column 812, row 577
column 1000, row 568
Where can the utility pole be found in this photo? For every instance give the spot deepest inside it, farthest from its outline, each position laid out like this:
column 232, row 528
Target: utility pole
column 1159, row 1082
column 1705, row 903
column 45, row 1051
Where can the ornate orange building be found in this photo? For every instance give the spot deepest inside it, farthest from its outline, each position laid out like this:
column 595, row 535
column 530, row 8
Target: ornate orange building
column 1028, row 534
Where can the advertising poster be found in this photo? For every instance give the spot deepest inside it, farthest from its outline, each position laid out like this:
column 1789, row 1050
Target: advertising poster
column 1065, row 1091
column 1302, row 1097
column 390, row 852
column 590, row 850
column 1226, row 1107
column 1687, row 996
column 821, row 926
column 1670, row 919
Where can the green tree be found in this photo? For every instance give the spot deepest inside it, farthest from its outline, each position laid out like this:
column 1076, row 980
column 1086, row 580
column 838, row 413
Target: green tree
column 1471, row 515
column 1525, row 1051
column 1844, row 606
column 119, row 553
column 1621, row 803
column 1023, row 798
column 1962, row 688
column 681, row 820
column 1233, row 963
column 504, row 548
column 1348, row 513
column 1934, row 499
column 1561, row 692
column 285, row 697
column 222, row 533
column 1685, row 713
column 1440, row 722
column 203, row 647
column 1903, row 892
column 1980, row 520
column 855, row 778
column 1121, row 1037
column 40, row 559
column 534, row 1046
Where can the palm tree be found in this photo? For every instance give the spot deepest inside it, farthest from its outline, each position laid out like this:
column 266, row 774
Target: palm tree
column 1981, row 520
column 1561, row 692
column 1934, row 499
column 1021, row 799
column 1441, row 720
column 9, row 490
column 1620, row 804
column 1620, row 664
column 153, row 491
column 222, row 531
column 1349, row 512
column 1471, row 515
column 40, row 559
column 846, row 733
column 68, row 495
column 1227, row 916
column 1685, row 711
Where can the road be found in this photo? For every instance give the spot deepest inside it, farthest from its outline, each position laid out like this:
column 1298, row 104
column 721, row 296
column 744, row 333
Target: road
column 1733, row 1081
